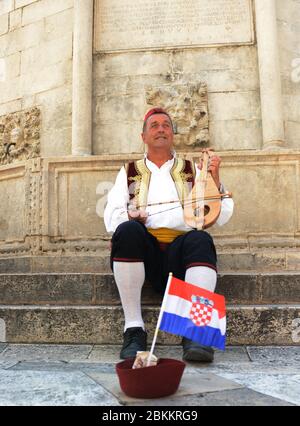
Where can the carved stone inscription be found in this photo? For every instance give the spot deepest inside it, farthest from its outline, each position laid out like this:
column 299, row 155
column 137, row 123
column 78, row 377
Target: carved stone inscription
column 144, row 24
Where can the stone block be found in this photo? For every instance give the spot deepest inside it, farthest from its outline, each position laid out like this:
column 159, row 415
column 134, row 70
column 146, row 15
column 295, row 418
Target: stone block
column 10, row 90
column 222, row 81
column 51, row 98
column 265, row 325
column 239, row 106
column 126, row 137
column 20, row 265
column 9, row 107
column 28, row 102
column 100, row 289
column 59, row 25
column 22, row 3
column 124, row 109
column 132, row 64
column 51, row 388
column 237, row 262
column 292, row 107
column 3, row 24
column 277, row 180
column 192, row 383
column 12, row 223
column 56, row 142
column 236, row 134
column 47, row 54
column 21, row 39
column 70, row 264
column 292, row 132
column 48, row 78
column 48, row 289
column 15, row 19
column 280, row 288
column 274, row 261
column 293, row 261
column 13, row 65
column 6, row 6
column 279, row 355
column 246, row 325
column 46, row 353
column 221, row 58
column 44, row 8
column 239, row 289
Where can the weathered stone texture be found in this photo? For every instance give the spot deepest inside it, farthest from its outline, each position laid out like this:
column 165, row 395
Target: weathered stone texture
column 231, row 77
column 246, row 325
column 288, row 13
column 100, row 289
column 36, row 57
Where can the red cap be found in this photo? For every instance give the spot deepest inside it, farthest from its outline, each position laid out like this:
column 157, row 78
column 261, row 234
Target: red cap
column 156, row 111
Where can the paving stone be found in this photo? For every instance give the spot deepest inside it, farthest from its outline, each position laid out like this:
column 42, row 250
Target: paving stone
column 35, row 388
column 191, row 383
column 238, row 397
column 275, row 354
column 251, row 367
column 65, row 366
column 282, row 386
column 46, row 352
column 53, row 375
column 4, row 365
column 3, row 346
column 105, row 353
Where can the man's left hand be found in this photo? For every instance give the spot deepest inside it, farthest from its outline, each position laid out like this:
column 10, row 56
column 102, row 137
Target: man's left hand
column 213, row 167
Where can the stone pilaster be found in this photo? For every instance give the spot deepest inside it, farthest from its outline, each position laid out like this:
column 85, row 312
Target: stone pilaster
column 269, row 71
column 82, row 77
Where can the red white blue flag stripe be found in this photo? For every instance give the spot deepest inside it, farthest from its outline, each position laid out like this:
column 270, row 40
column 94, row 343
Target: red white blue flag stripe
column 186, row 306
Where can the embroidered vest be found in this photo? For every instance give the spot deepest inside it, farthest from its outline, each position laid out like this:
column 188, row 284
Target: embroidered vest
column 138, row 179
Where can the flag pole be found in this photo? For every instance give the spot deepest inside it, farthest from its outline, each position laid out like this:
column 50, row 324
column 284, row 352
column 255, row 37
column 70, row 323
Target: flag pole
column 160, row 318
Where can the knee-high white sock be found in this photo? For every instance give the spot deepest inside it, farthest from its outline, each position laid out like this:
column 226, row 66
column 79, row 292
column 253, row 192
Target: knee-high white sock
column 130, row 277
column 202, row 276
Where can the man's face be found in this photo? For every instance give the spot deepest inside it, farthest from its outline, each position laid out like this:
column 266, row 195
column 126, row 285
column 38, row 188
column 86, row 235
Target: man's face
column 158, row 132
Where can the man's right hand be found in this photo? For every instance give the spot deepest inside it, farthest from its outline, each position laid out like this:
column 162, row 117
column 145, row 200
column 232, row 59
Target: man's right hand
column 139, row 215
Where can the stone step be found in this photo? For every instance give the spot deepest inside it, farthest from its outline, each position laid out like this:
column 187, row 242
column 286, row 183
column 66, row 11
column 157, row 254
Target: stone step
column 100, row 289
column 246, row 325
column 256, row 261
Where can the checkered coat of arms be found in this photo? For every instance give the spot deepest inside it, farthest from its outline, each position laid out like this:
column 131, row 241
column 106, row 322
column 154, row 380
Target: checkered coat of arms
column 201, row 311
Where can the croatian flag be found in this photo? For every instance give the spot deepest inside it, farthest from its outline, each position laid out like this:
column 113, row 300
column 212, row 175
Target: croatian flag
column 195, row 313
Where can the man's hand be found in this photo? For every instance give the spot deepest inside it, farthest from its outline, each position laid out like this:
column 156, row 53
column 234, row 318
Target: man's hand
column 139, row 215
column 213, row 167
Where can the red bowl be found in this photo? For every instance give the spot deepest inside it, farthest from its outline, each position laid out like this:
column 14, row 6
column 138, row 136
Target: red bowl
column 157, row 381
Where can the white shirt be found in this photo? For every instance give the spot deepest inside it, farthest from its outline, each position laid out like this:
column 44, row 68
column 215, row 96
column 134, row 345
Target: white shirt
column 161, row 189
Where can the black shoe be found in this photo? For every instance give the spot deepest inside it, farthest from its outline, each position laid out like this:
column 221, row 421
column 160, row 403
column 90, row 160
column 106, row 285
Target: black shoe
column 192, row 351
column 135, row 339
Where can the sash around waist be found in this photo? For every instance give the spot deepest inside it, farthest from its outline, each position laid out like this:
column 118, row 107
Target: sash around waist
column 165, row 235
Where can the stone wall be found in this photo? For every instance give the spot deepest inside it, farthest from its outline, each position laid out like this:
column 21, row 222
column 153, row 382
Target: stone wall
column 220, row 54
column 52, row 202
column 122, row 80
column 288, row 13
column 36, row 66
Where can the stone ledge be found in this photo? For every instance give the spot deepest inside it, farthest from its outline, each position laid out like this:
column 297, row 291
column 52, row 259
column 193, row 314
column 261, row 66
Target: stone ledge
column 100, row 289
column 265, row 261
column 247, row 325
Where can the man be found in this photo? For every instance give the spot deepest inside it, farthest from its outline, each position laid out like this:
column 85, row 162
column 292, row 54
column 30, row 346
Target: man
column 152, row 240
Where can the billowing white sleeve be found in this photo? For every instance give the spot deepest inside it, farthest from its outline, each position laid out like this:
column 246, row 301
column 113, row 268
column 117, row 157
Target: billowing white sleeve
column 115, row 211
